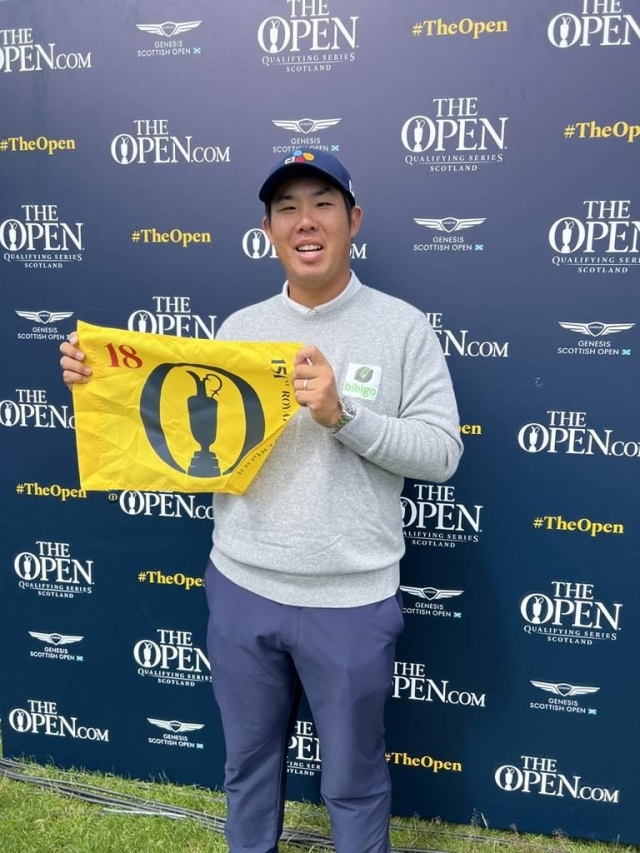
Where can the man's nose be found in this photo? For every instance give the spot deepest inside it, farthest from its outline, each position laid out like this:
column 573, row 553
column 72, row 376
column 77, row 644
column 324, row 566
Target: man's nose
column 307, row 221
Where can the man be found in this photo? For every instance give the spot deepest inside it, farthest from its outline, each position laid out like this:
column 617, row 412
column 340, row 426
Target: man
column 303, row 579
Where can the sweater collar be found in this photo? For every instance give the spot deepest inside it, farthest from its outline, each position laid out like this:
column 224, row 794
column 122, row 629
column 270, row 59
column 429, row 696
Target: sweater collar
column 350, row 290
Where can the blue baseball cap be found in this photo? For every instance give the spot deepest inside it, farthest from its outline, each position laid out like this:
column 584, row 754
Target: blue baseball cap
column 307, row 161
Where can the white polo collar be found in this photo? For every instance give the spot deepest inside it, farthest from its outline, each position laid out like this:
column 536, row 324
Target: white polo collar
column 350, row 290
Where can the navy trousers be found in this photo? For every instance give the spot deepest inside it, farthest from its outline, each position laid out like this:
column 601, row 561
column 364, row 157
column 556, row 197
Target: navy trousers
column 260, row 651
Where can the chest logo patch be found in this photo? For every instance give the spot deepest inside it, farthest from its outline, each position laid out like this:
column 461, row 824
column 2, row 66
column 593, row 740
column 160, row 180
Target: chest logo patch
column 363, row 381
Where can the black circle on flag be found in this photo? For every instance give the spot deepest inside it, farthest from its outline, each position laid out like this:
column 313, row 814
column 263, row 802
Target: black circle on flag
column 202, row 417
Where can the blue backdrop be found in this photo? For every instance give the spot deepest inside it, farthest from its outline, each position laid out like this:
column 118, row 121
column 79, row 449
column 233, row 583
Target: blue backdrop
column 495, row 153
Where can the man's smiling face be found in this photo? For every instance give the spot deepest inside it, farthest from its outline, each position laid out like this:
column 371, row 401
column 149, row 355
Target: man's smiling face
column 312, row 230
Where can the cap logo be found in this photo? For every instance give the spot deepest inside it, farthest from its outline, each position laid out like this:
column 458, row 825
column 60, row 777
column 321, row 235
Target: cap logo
column 300, row 156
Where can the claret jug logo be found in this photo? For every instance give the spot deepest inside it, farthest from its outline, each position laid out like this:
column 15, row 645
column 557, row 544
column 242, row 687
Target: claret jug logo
column 212, row 389
column 172, row 315
column 172, row 659
column 454, row 138
column 606, row 240
column 309, row 39
column 42, row 718
column 152, row 143
column 39, row 240
column 567, row 432
column 571, row 615
column 433, row 516
column 539, row 775
column 163, row 505
column 52, row 572
column 31, row 409
column 256, row 245
column 18, row 52
column 601, row 23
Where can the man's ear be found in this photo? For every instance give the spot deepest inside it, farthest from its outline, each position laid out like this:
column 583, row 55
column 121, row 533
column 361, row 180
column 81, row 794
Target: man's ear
column 266, row 227
column 356, row 219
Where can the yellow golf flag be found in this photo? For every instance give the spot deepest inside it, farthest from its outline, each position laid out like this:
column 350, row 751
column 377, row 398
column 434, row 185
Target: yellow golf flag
column 162, row 413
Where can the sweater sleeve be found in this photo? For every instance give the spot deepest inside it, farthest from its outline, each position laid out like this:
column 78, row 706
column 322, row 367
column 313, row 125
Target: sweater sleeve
column 423, row 441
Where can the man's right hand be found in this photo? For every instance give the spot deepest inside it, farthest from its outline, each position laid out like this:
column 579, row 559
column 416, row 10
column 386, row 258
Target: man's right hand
column 73, row 370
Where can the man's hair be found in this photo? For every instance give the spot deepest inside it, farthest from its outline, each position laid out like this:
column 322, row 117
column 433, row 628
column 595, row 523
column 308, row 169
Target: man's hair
column 348, row 200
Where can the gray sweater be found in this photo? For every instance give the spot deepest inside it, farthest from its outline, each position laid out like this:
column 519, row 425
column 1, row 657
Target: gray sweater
column 321, row 524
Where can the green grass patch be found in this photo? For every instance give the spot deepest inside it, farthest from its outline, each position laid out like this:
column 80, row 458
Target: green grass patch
column 39, row 820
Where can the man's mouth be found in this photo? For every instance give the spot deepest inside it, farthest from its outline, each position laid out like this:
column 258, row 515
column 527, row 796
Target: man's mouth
column 309, row 249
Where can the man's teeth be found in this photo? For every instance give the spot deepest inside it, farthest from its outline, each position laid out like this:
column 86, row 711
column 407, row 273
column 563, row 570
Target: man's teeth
column 309, row 248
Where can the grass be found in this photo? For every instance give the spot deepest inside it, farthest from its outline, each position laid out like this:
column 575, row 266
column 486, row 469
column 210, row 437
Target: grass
column 37, row 820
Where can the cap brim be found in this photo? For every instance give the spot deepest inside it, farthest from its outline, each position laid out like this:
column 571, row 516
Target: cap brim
column 292, row 170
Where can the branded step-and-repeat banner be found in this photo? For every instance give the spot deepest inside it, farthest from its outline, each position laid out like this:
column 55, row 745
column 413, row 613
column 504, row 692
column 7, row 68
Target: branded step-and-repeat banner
column 495, row 151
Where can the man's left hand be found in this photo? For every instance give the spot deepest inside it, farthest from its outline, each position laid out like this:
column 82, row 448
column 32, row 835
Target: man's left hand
column 315, row 386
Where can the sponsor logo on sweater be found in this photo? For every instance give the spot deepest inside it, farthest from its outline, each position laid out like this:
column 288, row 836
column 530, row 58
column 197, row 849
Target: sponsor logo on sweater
column 362, row 381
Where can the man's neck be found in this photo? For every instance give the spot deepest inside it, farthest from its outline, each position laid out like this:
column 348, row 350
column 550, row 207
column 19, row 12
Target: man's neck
column 311, row 298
